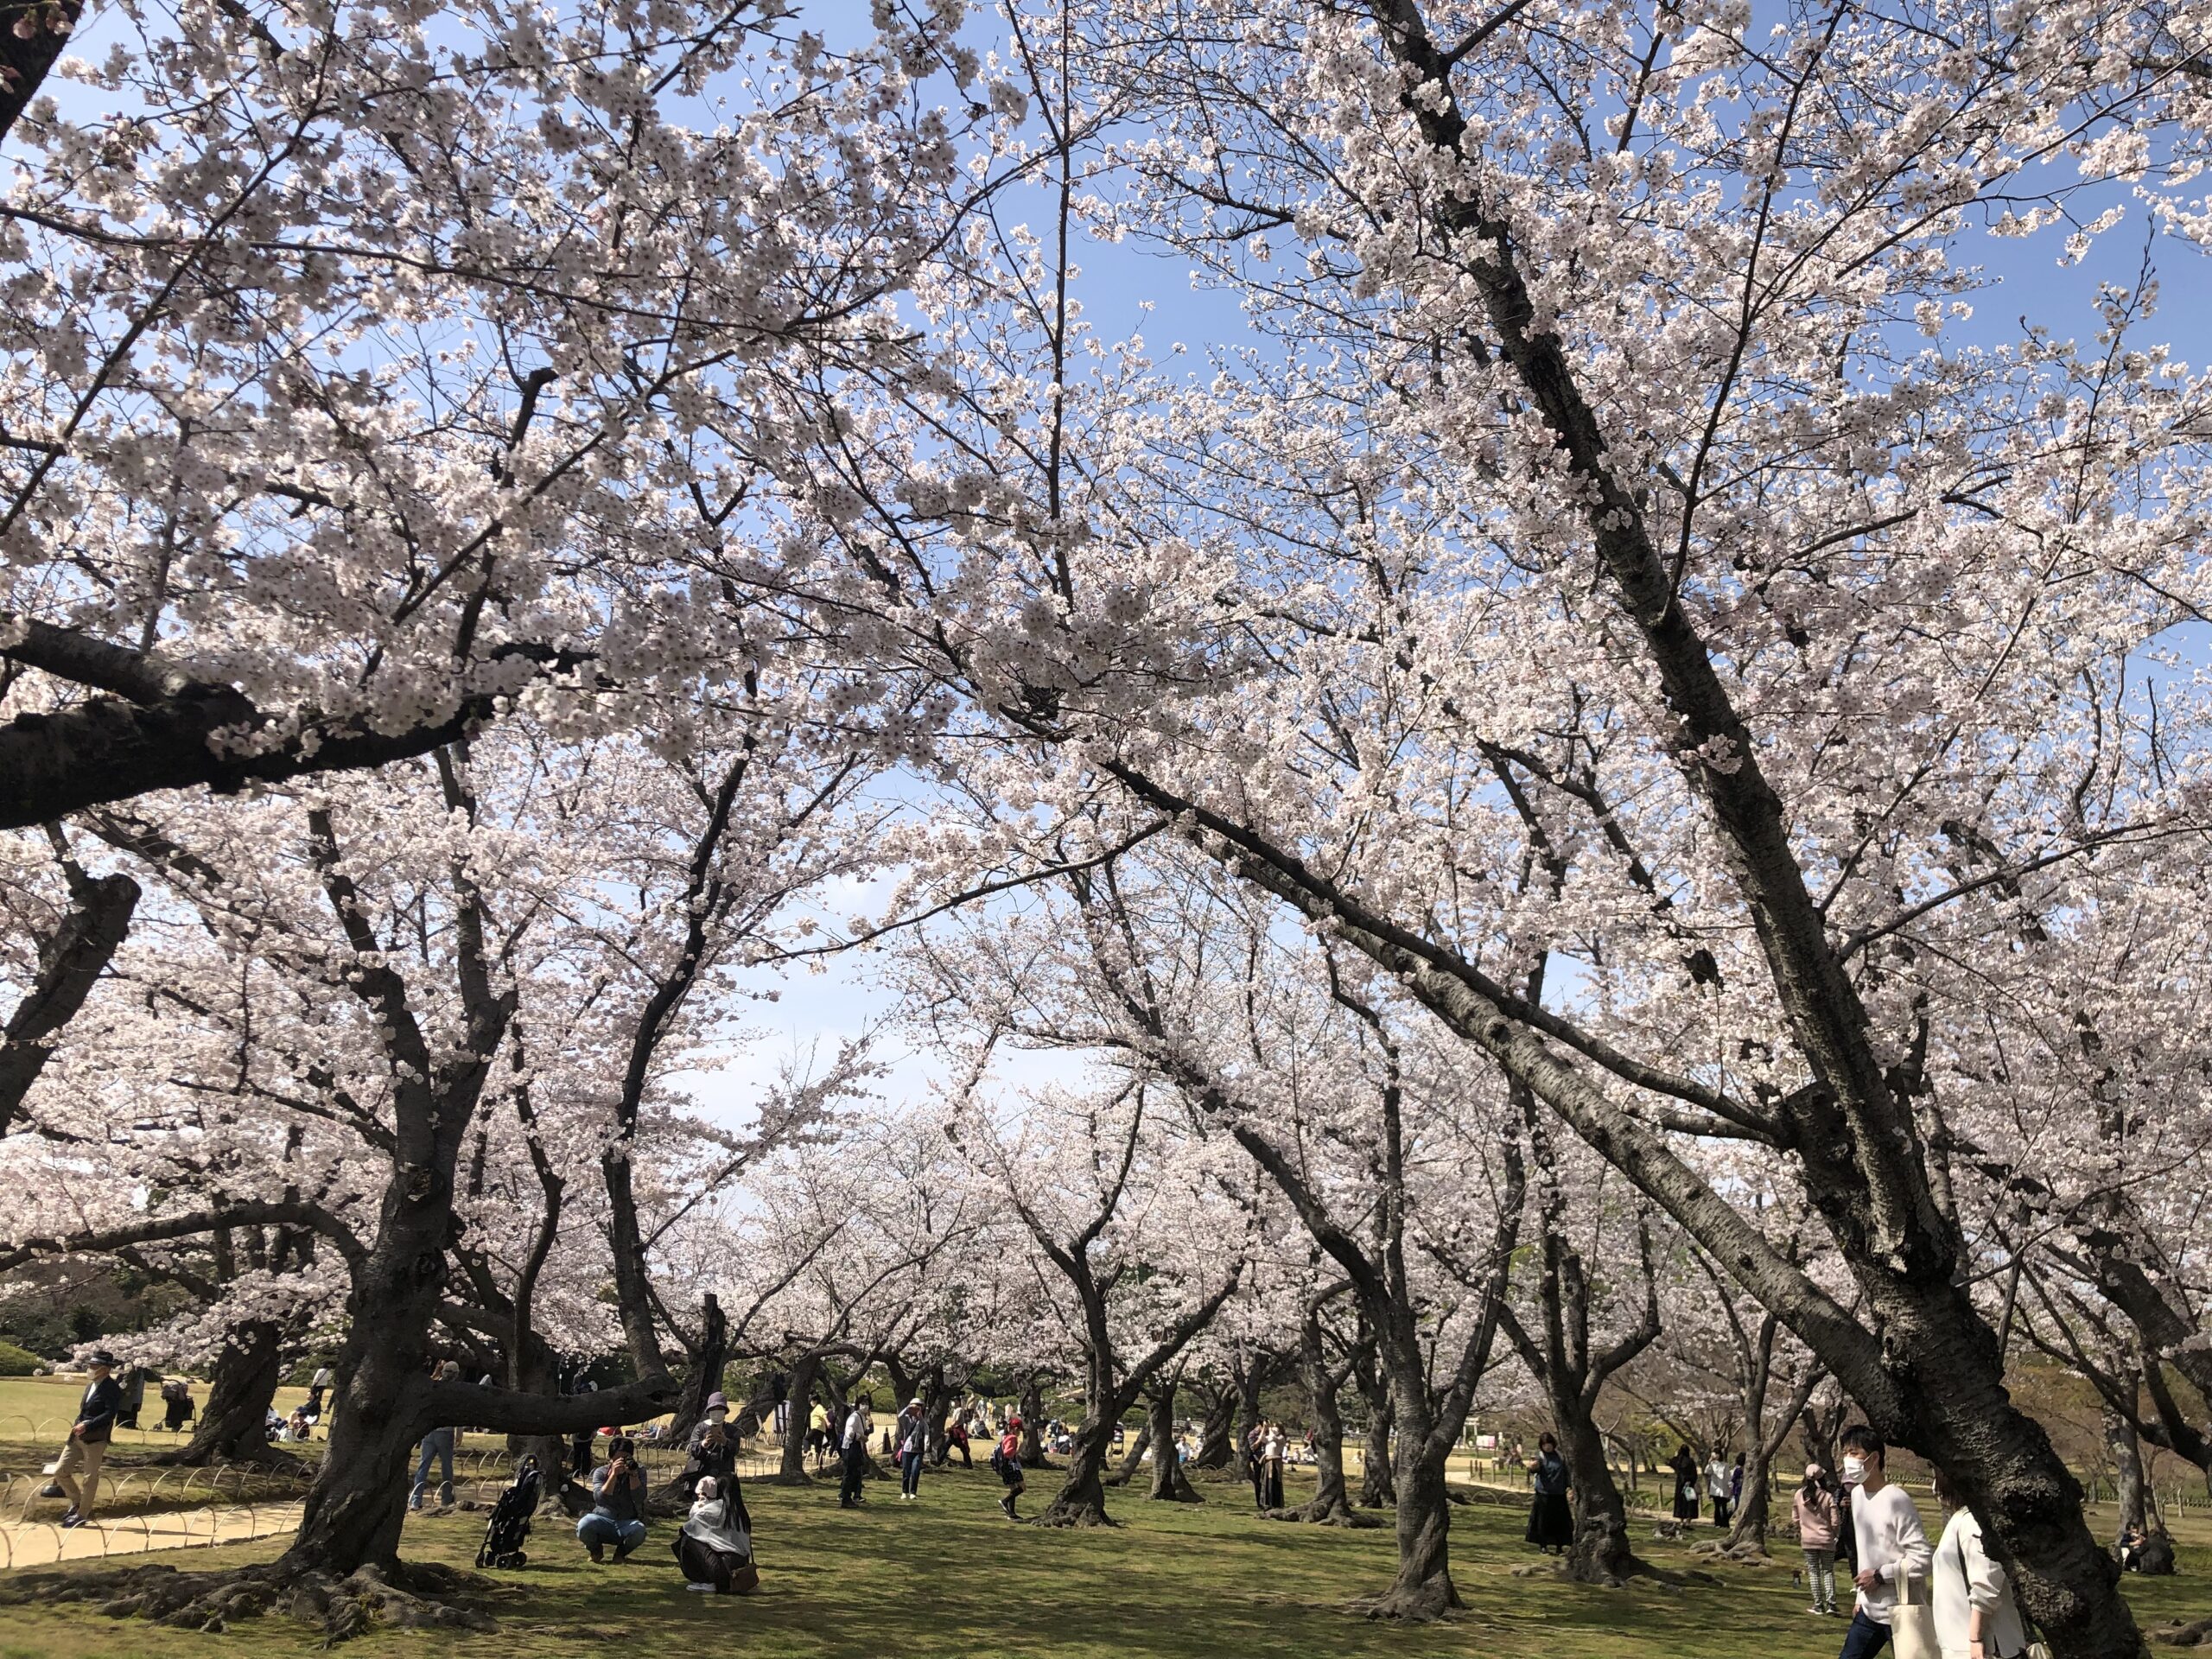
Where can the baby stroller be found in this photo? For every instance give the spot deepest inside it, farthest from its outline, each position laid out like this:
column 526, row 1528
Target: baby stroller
column 504, row 1533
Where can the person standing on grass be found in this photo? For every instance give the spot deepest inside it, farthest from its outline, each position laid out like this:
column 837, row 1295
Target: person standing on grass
column 318, row 1386
column 1684, row 1468
column 817, row 1433
column 437, row 1444
column 1006, row 1460
column 1818, row 1524
column 911, row 1436
column 1272, row 1450
column 1551, row 1525
column 1716, row 1487
column 859, row 1425
column 1888, row 1542
column 78, row 1473
column 618, row 1508
column 779, row 1392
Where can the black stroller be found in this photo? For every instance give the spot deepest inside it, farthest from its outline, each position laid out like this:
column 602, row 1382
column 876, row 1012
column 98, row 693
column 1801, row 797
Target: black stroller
column 509, row 1527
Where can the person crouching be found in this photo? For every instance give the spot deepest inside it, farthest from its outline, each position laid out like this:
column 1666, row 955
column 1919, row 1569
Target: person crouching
column 714, row 1549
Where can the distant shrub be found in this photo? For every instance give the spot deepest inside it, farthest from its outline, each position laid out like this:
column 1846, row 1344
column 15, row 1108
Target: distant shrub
column 18, row 1362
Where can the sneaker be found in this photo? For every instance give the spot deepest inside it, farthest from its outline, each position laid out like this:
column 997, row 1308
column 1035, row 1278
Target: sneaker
column 73, row 1519
column 1817, row 1611
column 598, row 1550
column 69, row 1517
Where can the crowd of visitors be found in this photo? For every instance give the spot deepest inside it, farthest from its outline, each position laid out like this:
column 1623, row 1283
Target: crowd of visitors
column 1948, row 1600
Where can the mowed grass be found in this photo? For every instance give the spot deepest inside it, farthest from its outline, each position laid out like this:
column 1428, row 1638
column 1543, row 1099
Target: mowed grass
column 947, row 1577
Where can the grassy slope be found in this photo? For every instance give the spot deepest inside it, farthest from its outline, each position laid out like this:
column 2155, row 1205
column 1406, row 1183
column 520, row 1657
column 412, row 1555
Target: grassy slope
column 947, row 1578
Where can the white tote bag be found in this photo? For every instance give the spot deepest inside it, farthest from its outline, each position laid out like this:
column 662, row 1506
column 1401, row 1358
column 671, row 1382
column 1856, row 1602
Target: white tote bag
column 1912, row 1620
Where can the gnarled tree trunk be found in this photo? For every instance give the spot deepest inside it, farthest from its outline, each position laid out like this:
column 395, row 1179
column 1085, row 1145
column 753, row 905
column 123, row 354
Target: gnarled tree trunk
column 233, row 1424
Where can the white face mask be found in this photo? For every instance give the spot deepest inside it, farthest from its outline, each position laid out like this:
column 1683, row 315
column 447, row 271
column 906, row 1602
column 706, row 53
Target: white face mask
column 1854, row 1471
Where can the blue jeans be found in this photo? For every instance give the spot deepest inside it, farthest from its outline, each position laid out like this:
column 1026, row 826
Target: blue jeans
column 436, row 1444
column 597, row 1528
column 1865, row 1638
column 910, row 1473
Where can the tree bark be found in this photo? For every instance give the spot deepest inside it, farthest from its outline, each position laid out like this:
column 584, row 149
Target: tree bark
column 1422, row 1589
column 1032, row 1424
column 2127, row 1453
column 805, row 1370
column 1081, row 1501
column 1216, row 1448
column 1331, row 1504
column 1169, row 1483
column 705, row 1376
column 1378, row 1486
column 32, row 39
column 1133, row 1459
column 73, row 958
column 233, row 1425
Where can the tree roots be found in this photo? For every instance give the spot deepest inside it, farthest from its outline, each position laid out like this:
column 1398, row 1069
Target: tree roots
column 1318, row 1514
column 402, row 1597
column 1073, row 1515
column 1413, row 1604
column 2178, row 1635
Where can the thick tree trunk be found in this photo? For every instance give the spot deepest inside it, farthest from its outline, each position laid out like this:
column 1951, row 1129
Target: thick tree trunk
column 233, row 1426
column 1601, row 1553
column 1248, row 1385
column 1753, row 1517
column 805, row 1370
column 355, row 1507
column 1169, row 1483
column 1216, row 1448
column 1082, row 1498
column 1423, row 1589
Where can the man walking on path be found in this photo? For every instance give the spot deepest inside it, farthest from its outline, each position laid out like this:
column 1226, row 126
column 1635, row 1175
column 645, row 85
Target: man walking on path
column 858, row 1427
column 88, row 1439
column 1892, row 1546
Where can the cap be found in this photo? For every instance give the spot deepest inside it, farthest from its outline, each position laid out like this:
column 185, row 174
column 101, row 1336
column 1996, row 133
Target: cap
column 915, row 1404
column 717, row 1403
column 1014, row 1422
column 100, row 1357
column 1814, row 1472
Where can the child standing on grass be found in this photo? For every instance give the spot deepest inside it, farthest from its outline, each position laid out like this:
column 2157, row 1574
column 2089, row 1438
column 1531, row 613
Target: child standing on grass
column 1008, row 1461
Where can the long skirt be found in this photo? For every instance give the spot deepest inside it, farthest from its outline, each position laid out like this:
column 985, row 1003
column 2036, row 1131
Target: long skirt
column 1551, row 1523
column 1686, row 1500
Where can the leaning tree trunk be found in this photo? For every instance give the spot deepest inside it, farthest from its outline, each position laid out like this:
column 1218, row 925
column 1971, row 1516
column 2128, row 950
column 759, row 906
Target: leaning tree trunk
column 1133, row 1459
column 1081, row 1501
column 2127, row 1473
column 1169, row 1483
column 233, row 1427
column 1215, row 1450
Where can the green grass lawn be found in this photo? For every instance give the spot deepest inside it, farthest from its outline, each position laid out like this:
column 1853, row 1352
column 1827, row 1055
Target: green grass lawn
column 947, row 1577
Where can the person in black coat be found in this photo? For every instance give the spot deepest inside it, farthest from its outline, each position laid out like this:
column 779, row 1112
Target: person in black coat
column 1685, row 1471
column 1551, row 1523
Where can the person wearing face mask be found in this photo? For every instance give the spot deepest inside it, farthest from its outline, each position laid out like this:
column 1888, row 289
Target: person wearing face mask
column 1892, row 1549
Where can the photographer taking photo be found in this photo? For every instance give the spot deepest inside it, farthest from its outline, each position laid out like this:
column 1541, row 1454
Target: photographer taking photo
column 618, row 1511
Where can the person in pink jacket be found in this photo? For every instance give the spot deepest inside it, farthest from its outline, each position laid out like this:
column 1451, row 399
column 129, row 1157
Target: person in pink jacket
column 1818, row 1523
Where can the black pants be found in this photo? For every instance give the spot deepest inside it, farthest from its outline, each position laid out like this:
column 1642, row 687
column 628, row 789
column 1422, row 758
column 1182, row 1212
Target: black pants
column 848, row 1491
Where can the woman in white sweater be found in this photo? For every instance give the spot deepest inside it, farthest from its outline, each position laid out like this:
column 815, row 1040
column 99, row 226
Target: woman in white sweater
column 1975, row 1616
